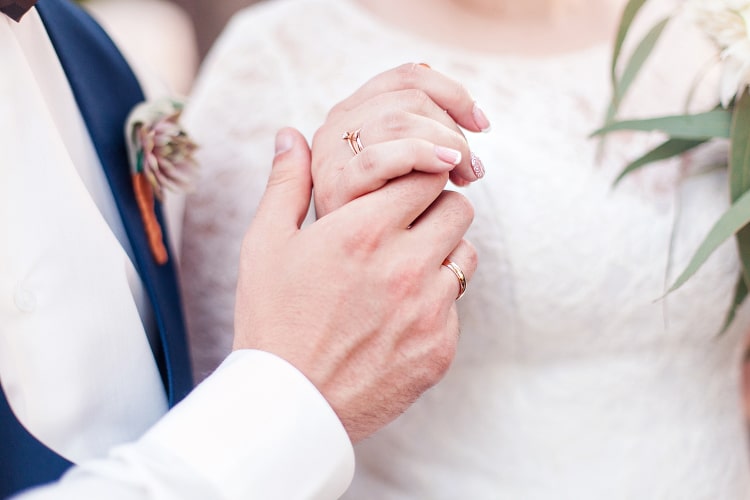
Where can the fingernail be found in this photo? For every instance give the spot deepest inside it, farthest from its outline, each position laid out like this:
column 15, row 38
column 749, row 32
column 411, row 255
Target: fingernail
column 284, row 142
column 481, row 119
column 448, row 155
column 425, row 65
column 477, row 166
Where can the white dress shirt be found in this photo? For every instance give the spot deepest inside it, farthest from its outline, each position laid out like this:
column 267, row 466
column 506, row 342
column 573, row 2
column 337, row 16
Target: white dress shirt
column 75, row 361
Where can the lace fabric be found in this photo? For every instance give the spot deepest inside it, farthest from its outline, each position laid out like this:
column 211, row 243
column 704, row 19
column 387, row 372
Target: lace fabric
column 572, row 379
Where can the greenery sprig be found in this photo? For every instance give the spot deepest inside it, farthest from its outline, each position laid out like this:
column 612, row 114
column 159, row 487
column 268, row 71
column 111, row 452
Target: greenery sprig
column 726, row 23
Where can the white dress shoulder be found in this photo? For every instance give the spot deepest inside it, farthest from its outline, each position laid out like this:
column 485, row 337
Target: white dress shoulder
column 573, row 380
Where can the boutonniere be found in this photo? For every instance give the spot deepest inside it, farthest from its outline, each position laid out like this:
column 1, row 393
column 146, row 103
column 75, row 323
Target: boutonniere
column 161, row 158
column 726, row 23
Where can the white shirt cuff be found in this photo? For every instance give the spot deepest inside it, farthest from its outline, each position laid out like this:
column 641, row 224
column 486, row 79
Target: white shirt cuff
column 258, row 428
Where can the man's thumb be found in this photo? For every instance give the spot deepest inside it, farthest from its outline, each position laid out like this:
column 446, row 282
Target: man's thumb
column 287, row 197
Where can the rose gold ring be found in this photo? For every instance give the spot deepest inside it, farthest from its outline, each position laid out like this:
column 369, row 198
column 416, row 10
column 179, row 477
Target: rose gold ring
column 459, row 274
column 355, row 144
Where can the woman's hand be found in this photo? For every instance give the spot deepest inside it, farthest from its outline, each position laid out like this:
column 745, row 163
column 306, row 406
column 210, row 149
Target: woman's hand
column 408, row 118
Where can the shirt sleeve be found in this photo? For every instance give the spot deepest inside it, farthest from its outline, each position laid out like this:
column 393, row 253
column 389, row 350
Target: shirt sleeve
column 256, row 428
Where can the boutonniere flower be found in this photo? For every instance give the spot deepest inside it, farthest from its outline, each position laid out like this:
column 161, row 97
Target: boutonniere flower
column 161, row 158
column 726, row 23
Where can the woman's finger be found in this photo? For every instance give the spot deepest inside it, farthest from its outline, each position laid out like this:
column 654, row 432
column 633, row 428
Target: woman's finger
column 447, row 94
column 377, row 164
column 388, row 107
column 396, row 124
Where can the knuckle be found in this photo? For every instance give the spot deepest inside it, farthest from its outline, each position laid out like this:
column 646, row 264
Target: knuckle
column 395, row 122
column 318, row 136
column 325, row 200
column 408, row 75
column 442, row 354
column 458, row 92
column 280, row 177
column 412, row 153
column 419, row 98
column 472, row 258
column 460, row 205
column 460, row 141
column 363, row 240
column 338, row 109
column 367, row 159
column 405, row 281
column 466, row 207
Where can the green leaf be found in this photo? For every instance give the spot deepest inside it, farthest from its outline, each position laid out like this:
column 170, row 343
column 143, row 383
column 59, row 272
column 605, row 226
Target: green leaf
column 739, row 159
column 740, row 293
column 739, row 171
column 639, row 57
column 139, row 161
column 707, row 125
column 734, row 219
column 668, row 149
column 628, row 15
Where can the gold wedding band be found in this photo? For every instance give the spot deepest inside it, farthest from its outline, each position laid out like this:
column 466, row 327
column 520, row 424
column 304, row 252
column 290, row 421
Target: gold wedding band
column 354, row 141
column 459, row 274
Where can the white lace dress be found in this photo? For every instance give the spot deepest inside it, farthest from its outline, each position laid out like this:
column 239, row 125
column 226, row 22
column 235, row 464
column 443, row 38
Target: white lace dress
column 572, row 381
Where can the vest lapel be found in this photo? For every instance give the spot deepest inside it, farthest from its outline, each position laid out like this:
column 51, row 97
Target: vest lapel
column 106, row 90
column 24, row 461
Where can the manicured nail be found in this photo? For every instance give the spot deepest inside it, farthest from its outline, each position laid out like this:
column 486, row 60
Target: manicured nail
column 284, row 142
column 448, row 155
column 481, row 119
column 425, row 65
column 477, row 166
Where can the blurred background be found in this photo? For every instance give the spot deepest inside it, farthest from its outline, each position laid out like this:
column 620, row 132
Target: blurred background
column 209, row 17
column 165, row 38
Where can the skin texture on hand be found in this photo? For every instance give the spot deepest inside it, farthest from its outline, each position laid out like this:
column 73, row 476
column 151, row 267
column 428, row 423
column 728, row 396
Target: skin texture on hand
column 358, row 301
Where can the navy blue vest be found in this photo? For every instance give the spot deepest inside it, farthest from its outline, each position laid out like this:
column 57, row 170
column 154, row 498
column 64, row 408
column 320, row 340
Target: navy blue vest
column 106, row 90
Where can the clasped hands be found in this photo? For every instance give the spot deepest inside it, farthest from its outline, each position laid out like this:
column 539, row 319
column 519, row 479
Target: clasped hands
column 359, row 300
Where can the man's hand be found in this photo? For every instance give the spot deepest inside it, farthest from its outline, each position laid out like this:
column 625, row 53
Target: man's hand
column 358, row 301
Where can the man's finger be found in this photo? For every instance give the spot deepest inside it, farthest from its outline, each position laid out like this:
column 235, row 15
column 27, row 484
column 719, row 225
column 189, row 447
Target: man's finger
column 420, row 127
column 458, row 268
column 442, row 226
column 377, row 164
column 401, row 200
column 287, row 197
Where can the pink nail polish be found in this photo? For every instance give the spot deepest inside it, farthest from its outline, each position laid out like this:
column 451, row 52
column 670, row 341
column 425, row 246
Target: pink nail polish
column 477, row 166
column 481, row 119
column 448, row 155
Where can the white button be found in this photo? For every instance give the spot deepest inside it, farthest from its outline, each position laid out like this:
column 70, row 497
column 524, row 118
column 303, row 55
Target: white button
column 25, row 300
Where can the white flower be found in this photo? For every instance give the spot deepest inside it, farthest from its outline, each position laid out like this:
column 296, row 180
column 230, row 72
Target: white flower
column 726, row 22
